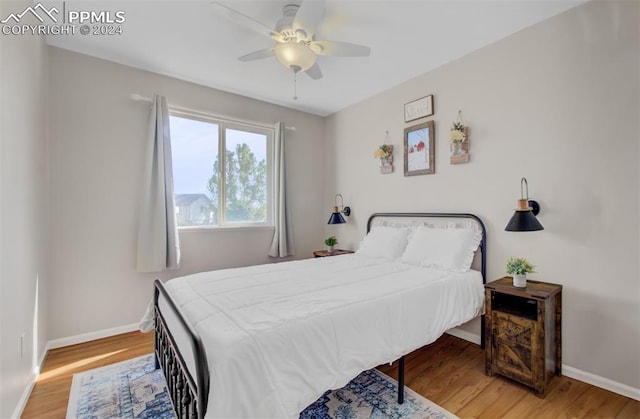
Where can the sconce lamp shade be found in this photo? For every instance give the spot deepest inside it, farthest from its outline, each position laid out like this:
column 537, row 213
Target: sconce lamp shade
column 336, row 217
column 524, row 219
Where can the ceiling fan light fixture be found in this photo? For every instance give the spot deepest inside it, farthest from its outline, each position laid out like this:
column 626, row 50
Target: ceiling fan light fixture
column 295, row 55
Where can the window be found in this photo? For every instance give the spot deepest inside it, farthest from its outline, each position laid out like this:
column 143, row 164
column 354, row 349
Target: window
column 212, row 191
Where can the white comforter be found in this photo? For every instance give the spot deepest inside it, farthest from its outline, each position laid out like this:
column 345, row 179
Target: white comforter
column 278, row 336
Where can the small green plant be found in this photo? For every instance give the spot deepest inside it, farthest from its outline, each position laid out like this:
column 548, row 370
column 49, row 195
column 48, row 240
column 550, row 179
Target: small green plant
column 331, row 241
column 519, row 266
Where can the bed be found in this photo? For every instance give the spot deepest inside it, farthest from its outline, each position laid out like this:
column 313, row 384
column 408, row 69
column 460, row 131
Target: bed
column 268, row 340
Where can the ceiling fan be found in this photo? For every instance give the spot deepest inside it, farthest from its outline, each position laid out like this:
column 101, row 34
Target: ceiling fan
column 296, row 46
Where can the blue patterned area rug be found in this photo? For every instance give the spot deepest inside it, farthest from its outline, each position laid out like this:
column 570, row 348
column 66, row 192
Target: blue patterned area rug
column 129, row 389
column 373, row 395
column 134, row 389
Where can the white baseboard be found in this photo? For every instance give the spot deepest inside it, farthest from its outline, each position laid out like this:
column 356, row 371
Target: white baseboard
column 605, row 383
column 22, row 403
column 43, row 355
column 463, row 334
column 567, row 371
column 86, row 337
column 24, row 398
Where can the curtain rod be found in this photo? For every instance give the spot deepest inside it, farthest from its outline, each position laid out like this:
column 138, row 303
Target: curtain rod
column 139, row 98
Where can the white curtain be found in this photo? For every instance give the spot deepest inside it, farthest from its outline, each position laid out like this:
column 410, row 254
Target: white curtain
column 158, row 246
column 282, row 243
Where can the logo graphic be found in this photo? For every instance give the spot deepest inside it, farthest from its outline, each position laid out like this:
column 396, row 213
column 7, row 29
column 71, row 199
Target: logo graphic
column 67, row 23
column 34, row 11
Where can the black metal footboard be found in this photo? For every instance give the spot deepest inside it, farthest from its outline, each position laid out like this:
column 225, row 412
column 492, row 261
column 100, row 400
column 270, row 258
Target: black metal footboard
column 189, row 396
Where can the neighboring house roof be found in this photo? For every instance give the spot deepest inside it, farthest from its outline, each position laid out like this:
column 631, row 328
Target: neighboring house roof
column 189, row 198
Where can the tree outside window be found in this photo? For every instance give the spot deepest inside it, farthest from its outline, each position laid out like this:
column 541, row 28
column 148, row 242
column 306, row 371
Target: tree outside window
column 214, row 192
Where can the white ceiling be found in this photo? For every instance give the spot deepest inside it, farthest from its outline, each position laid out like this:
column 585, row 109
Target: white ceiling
column 190, row 40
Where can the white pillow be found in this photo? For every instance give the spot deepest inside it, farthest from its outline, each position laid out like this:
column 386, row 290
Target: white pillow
column 384, row 243
column 451, row 249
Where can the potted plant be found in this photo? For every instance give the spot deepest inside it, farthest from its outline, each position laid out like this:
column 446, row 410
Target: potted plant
column 330, row 242
column 518, row 268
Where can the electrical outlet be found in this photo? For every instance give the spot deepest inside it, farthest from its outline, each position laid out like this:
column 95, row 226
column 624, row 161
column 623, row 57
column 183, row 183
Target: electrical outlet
column 22, row 336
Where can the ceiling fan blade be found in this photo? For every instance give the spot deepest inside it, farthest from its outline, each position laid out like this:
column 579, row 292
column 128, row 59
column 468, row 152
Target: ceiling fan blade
column 340, row 49
column 258, row 55
column 244, row 20
column 309, row 15
column 314, row 71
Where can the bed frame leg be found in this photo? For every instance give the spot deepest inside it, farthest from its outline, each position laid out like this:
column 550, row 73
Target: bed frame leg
column 401, row 380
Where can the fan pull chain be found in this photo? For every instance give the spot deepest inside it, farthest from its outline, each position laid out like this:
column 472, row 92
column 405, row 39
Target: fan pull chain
column 295, row 85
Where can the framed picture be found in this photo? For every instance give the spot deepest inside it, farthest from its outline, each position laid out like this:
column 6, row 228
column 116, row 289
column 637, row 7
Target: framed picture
column 419, row 141
column 419, row 108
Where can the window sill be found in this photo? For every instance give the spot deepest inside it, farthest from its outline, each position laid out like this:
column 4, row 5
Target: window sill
column 191, row 229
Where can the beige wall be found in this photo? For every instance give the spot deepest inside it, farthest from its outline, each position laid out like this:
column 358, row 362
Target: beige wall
column 97, row 143
column 24, row 212
column 558, row 104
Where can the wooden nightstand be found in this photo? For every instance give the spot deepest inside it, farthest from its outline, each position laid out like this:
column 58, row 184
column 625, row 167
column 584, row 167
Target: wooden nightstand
column 524, row 332
column 336, row 252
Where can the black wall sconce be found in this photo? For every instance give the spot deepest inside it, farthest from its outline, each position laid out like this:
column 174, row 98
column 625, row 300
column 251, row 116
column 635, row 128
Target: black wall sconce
column 338, row 210
column 524, row 219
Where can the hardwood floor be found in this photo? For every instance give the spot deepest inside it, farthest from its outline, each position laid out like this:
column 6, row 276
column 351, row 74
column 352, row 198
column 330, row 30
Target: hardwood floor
column 449, row 372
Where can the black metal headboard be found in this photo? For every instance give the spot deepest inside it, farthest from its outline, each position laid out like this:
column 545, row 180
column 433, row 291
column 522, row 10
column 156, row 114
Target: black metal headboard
column 483, row 243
